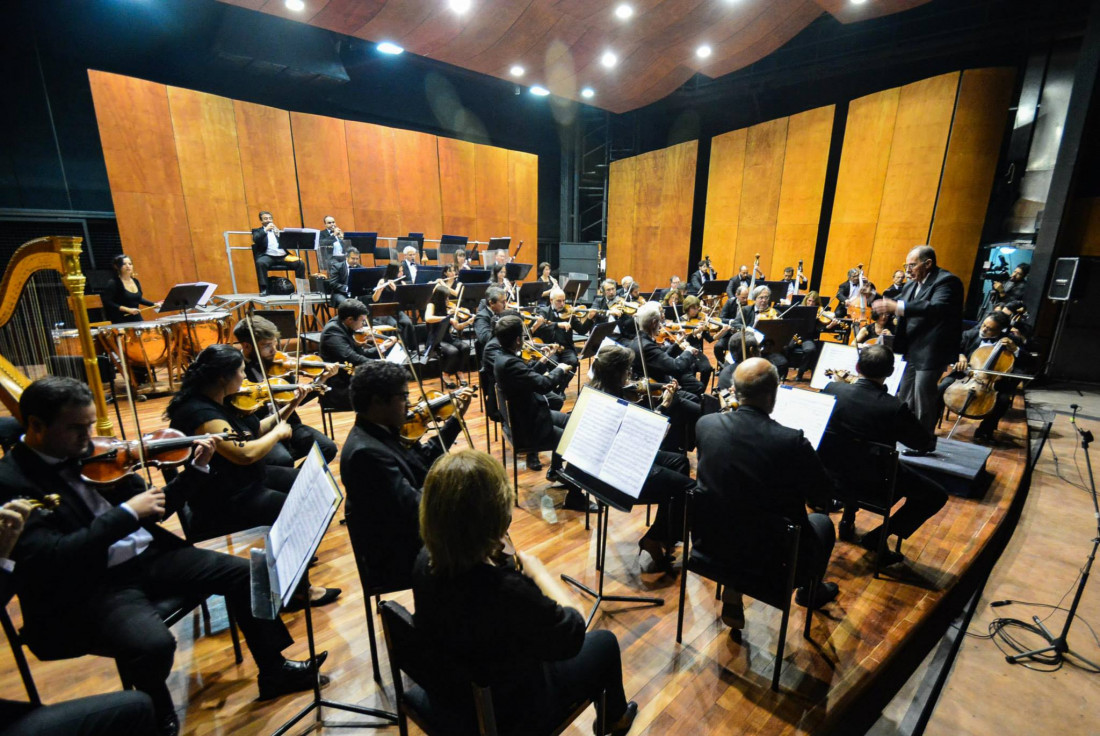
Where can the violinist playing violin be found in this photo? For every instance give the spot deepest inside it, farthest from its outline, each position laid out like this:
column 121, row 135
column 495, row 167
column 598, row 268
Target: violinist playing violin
column 339, row 345
column 669, row 478
column 386, row 291
column 993, row 329
column 297, row 446
column 384, row 475
column 560, row 325
column 659, row 364
column 698, row 329
column 86, row 571
column 453, row 351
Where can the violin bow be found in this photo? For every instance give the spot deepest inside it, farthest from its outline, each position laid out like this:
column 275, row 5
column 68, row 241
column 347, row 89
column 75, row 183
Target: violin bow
column 260, row 362
column 133, row 410
column 424, row 394
column 641, row 357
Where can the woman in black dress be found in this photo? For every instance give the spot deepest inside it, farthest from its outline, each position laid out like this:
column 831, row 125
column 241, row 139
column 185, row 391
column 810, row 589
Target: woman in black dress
column 518, row 632
column 122, row 300
column 452, row 350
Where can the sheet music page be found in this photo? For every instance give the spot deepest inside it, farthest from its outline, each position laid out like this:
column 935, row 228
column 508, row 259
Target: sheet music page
column 590, row 440
column 800, row 409
column 633, row 449
column 309, row 507
column 397, row 355
column 844, row 357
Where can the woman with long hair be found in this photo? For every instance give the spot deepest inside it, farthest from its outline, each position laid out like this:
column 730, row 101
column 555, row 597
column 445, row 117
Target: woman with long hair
column 453, row 351
column 514, row 626
column 123, row 298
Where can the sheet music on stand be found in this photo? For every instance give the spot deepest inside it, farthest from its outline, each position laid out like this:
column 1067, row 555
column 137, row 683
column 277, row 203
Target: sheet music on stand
column 612, row 440
column 844, row 357
column 806, row 410
column 294, row 537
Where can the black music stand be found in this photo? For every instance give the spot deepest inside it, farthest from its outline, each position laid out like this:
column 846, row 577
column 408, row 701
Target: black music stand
column 716, row 287
column 427, row 274
column 285, row 321
column 184, row 298
column 472, row 294
column 517, row 271
column 596, row 337
column 777, row 333
column 413, row 300
column 361, row 281
column 474, row 276
column 531, row 292
column 574, row 290
column 300, row 239
column 606, row 497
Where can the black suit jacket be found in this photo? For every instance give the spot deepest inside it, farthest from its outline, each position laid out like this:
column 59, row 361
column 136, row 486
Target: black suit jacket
column 865, row 410
column 61, row 556
column 259, row 241
column 747, row 460
column 384, row 479
column 695, row 283
column 659, row 365
column 484, row 320
column 525, row 389
column 407, row 272
column 337, row 281
column 930, row 330
column 735, row 284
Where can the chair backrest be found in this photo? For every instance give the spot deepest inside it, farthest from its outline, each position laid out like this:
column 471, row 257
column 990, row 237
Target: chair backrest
column 489, row 390
column 753, row 550
column 866, row 470
column 502, row 410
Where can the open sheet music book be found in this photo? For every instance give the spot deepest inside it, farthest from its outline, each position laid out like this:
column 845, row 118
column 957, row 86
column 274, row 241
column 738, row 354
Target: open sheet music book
column 806, row 410
column 843, row 357
column 612, row 440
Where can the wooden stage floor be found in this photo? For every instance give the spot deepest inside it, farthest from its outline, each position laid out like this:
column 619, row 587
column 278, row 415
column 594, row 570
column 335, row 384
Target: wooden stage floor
column 706, row 685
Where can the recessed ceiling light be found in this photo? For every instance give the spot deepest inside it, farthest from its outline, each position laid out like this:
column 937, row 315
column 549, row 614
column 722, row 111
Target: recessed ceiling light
column 703, row 51
column 389, row 48
column 459, row 6
column 588, row 93
column 858, row 2
column 539, row 91
column 516, row 70
column 624, row 11
column 295, row 5
column 609, row 59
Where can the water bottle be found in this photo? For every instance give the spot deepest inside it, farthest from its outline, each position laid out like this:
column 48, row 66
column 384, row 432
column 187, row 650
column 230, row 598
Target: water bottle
column 549, row 515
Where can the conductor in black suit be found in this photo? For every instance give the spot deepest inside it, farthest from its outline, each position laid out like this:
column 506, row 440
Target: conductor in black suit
column 129, row 712
column 929, row 312
column 86, row 572
column 865, row 410
column 384, row 476
column 747, row 460
column 269, row 254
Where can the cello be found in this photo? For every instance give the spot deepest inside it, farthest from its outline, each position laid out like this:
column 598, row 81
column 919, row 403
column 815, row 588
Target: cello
column 975, row 396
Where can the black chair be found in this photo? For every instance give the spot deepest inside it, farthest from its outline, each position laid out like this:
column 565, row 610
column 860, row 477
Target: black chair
column 868, row 472
column 489, row 406
column 757, row 554
column 432, row 671
column 504, row 412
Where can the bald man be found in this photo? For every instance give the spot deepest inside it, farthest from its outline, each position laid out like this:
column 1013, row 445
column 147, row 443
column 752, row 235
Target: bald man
column 748, row 461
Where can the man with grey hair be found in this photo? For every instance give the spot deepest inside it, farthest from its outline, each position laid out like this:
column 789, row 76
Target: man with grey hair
column 659, row 365
column 488, row 311
column 409, row 265
column 748, row 461
column 929, row 314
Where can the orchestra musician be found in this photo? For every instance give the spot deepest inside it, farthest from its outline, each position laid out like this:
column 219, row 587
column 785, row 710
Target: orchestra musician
column 534, row 424
column 330, row 243
column 86, row 572
column 461, row 263
column 730, row 311
column 865, row 410
column 453, row 351
column 123, row 298
column 302, row 436
column 669, row 478
column 894, row 288
column 383, row 474
column 625, row 286
column 496, row 299
column 559, row 327
column 743, row 278
column 992, row 330
column 269, row 255
column 748, row 460
column 409, row 265
column 497, row 278
column 659, row 365
column 872, row 333
column 339, row 270
column 386, row 291
column 733, row 359
column 338, row 345
column 130, row 712
column 548, row 279
column 700, row 334
column 929, row 312
column 700, row 276
column 514, row 624
column 793, row 285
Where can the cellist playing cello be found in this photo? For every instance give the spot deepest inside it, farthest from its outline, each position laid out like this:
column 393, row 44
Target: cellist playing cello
column 973, row 353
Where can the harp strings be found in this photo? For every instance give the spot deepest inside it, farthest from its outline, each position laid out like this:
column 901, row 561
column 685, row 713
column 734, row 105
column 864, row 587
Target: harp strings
column 41, row 332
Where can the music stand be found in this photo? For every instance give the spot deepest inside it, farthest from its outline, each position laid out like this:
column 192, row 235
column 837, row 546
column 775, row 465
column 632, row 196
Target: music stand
column 285, row 321
column 383, row 309
column 531, row 292
column 290, row 545
column 185, row 297
column 517, row 271
column 472, row 294
column 361, row 281
column 716, row 287
column 599, row 333
column 575, row 289
column 777, row 333
column 474, row 276
column 426, row 274
column 414, row 297
column 300, row 239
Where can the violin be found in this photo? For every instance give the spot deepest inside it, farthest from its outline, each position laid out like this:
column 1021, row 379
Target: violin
column 462, row 314
column 535, row 349
column 825, row 317
column 581, row 311
column 727, row 400
column 644, row 388
column 110, row 460
column 310, row 365
column 841, row 374
column 710, row 324
column 628, row 308
column 254, row 394
column 365, row 335
column 419, row 416
column 975, row 396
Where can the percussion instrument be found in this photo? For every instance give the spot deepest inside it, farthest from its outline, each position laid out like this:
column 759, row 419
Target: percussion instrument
column 143, row 343
column 66, row 342
column 198, row 331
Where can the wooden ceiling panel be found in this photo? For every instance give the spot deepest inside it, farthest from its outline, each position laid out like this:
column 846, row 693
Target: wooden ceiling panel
column 559, row 42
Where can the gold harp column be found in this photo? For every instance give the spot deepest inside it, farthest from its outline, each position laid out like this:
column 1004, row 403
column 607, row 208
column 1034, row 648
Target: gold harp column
column 74, row 282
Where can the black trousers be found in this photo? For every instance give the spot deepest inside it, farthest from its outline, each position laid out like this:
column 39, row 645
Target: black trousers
column 453, row 355
column 265, row 263
column 815, row 547
column 923, row 496
column 568, row 356
column 129, row 712
column 121, row 622
column 256, row 506
column 803, row 357
column 668, row 482
column 288, row 452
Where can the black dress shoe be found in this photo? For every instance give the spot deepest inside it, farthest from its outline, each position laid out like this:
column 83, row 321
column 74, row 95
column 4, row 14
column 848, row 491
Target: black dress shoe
column 291, row 677
column 620, row 727
column 826, row 592
column 298, row 602
column 576, row 501
column 831, row 507
column 889, row 557
column 533, row 462
column 169, row 725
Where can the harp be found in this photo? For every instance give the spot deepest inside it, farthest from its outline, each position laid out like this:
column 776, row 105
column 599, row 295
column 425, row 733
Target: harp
column 41, row 300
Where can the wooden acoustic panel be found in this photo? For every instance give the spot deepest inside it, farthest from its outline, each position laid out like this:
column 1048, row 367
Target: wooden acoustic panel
column 135, row 128
column 765, row 149
column 372, row 166
column 925, row 109
column 724, row 186
column 807, row 156
column 620, row 216
column 458, row 187
column 523, row 198
column 863, row 163
column 324, row 183
column 976, row 133
column 491, row 182
column 210, row 168
column 418, row 194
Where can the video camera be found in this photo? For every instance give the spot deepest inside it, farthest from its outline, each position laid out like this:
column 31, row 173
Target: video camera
column 1000, row 273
